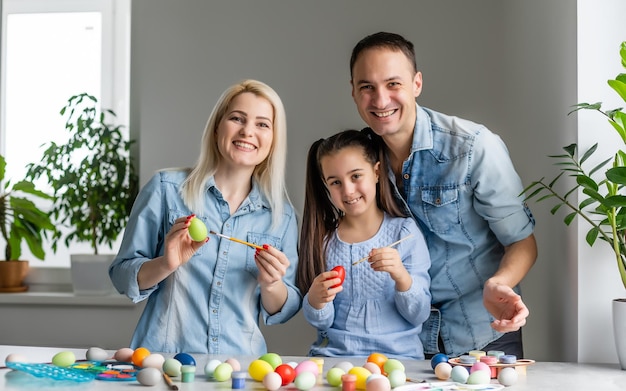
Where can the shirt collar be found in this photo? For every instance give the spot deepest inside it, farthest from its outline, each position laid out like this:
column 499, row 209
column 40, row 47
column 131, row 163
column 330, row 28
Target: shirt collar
column 422, row 133
column 255, row 200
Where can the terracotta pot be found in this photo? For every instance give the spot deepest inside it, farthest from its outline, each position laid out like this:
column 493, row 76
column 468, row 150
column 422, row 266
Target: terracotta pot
column 12, row 275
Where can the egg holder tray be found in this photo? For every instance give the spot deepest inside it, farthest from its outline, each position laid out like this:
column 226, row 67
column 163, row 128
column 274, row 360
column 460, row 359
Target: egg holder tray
column 520, row 366
column 81, row 371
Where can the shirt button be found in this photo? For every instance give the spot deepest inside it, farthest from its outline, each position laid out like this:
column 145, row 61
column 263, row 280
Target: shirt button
column 225, row 253
column 219, row 283
column 214, row 311
column 214, row 339
column 227, row 225
column 437, row 201
column 406, row 176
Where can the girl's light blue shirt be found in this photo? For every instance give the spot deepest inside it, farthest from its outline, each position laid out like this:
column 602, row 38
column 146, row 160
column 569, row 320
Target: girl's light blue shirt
column 211, row 304
column 370, row 315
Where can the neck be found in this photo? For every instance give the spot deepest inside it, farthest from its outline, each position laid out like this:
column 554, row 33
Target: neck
column 235, row 185
column 354, row 229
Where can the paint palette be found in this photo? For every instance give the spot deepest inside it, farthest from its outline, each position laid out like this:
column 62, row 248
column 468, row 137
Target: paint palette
column 109, row 370
column 520, row 365
column 52, row 371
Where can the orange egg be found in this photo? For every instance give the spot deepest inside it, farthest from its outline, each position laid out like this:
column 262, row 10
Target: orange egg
column 139, row 354
column 379, row 359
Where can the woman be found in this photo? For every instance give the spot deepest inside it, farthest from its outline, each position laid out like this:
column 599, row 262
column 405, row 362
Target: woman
column 206, row 296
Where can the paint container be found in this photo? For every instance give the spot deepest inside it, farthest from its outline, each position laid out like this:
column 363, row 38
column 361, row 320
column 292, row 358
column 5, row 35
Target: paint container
column 491, row 361
column 238, row 380
column 320, row 369
column 348, row 382
column 188, row 373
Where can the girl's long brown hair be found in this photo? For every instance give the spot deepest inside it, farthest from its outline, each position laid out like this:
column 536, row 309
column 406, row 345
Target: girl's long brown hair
column 320, row 216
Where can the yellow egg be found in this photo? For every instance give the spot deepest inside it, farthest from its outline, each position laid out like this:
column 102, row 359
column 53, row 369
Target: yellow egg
column 361, row 376
column 259, row 368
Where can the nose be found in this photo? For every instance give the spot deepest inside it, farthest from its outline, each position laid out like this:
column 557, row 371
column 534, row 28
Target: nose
column 246, row 129
column 348, row 188
column 380, row 98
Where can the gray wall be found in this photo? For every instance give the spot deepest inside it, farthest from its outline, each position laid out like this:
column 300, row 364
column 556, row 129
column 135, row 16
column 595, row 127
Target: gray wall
column 508, row 64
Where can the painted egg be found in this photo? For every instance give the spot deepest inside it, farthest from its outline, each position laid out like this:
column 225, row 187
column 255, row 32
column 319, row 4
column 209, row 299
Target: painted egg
column 341, row 275
column 459, row 374
column 234, row 363
column 96, row 354
column 397, row 377
column 507, row 376
column 272, row 358
column 64, row 359
column 154, row 360
column 378, row 383
column 149, row 376
column 272, row 381
column 210, row 366
column 307, row 366
column 292, row 364
column 287, row 373
column 345, row 365
column 139, row 355
column 392, row 364
column 197, row 230
column 480, row 366
column 438, row 358
column 479, row 377
column 185, row 359
column 258, row 369
column 443, row 370
column 172, row 367
column 124, row 355
column 361, row 376
column 333, row 376
column 378, row 359
column 222, row 372
column 305, row 381
column 16, row 357
column 372, row 367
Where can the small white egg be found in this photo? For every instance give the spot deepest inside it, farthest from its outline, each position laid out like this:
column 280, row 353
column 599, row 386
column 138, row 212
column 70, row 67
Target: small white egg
column 96, row 354
column 397, row 378
column 124, row 355
column 507, row 376
column 345, row 365
column 210, row 366
column 149, row 376
column 373, row 368
column 272, row 381
column 16, row 357
column 443, row 370
column 172, row 367
column 154, row 360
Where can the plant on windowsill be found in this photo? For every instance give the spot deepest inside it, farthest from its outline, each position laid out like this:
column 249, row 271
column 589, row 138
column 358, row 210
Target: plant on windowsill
column 603, row 203
column 93, row 179
column 20, row 220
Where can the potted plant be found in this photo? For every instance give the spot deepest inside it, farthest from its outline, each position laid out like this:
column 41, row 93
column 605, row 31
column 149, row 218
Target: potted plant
column 20, row 220
column 603, row 203
column 94, row 183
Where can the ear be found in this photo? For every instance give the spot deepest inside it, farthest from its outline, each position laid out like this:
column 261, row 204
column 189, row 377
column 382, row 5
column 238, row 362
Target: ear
column 417, row 84
column 377, row 170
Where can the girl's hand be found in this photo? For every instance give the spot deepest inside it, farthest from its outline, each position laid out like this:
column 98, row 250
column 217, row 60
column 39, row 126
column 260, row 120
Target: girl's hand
column 179, row 247
column 387, row 259
column 272, row 264
column 321, row 292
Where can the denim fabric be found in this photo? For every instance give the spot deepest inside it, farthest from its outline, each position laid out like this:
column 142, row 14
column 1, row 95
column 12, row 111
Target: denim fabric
column 212, row 303
column 460, row 185
column 369, row 315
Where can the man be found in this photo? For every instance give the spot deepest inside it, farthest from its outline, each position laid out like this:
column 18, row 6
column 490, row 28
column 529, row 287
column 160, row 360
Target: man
column 457, row 179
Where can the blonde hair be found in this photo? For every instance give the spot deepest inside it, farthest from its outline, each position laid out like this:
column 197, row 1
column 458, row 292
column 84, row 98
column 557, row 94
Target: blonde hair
column 269, row 174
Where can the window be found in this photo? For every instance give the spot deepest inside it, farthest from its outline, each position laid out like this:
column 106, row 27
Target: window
column 51, row 50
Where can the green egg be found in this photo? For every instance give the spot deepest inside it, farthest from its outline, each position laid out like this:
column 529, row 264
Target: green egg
column 333, row 376
column 172, row 367
column 272, row 358
column 197, row 229
column 392, row 364
column 64, row 359
column 222, row 372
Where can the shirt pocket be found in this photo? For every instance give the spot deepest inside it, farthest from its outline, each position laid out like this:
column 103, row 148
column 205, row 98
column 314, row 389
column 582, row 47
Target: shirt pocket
column 259, row 239
column 441, row 208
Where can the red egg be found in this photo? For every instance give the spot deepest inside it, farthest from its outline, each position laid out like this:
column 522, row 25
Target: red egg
column 286, row 372
column 342, row 275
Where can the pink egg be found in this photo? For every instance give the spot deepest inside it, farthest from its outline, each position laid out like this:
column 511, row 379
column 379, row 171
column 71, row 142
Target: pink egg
column 124, row 355
column 234, row 363
column 378, row 384
column 480, row 366
column 307, row 366
column 370, row 366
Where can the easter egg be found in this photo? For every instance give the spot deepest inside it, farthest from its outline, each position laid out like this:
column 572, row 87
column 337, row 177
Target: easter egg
column 64, row 359
column 124, row 355
column 397, row 377
column 372, row 367
column 149, row 376
column 172, row 367
column 154, row 360
column 197, row 230
column 272, row 358
column 287, row 373
column 139, row 355
column 345, row 365
column 361, row 376
column 443, row 371
column 459, row 374
column 341, row 275
column 305, row 381
column 507, row 376
column 15, row 357
column 378, row 359
column 96, row 354
column 272, row 381
column 480, row 366
column 185, row 359
column 307, row 366
column 377, row 383
column 259, row 368
column 392, row 364
column 222, row 372
column 479, row 377
column 210, row 366
column 234, row 363
column 438, row 358
column 333, row 376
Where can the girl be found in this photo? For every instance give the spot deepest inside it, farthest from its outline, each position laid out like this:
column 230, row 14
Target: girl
column 206, row 296
column 348, row 215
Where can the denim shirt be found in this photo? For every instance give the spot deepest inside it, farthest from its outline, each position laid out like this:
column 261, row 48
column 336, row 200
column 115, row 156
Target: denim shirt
column 460, row 185
column 369, row 314
column 212, row 303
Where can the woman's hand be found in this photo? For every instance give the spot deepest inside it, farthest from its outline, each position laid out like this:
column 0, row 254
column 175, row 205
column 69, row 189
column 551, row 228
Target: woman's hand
column 272, row 265
column 179, row 247
column 321, row 292
column 387, row 259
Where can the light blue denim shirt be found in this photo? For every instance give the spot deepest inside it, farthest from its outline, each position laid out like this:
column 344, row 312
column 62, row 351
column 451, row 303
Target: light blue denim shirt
column 370, row 315
column 211, row 304
column 461, row 186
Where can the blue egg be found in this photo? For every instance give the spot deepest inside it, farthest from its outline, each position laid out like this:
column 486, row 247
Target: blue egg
column 185, row 359
column 438, row 358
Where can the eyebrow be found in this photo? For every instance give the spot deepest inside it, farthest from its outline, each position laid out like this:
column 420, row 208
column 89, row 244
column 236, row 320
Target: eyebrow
column 246, row 115
column 364, row 81
column 349, row 172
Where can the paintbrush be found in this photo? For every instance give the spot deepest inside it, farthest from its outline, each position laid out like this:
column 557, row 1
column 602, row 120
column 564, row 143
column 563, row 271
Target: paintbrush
column 169, row 382
column 237, row 240
column 391, row 245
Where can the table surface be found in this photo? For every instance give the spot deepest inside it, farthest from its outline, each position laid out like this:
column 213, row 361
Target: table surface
column 539, row 376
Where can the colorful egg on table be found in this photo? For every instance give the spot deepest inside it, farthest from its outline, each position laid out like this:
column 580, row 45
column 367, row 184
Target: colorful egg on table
column 222, row 372
column 139, row 355
column 378, row 359
column 392, row 364
column 149, row 376
column 272, row 358
column 459, row 374
column 438, row 358
column 507, row 376
column 307, row 366
column 287, row 373
column 185, row 358
column 345, row 365
column 479, row 377
column 210, row 366
column 443, row 371
column 397, row 377
column 15, row 357
column 64, row 359
column 480, row 366
column 333, row 376
column 96, row 354
column 272, row 381
column 155, row 360
column 305, row 381
column 234, row 363
column 258, row 369
column 172, row 367
column 372, row 367
column 377, row 382
column 361, row 376
column 124, row 355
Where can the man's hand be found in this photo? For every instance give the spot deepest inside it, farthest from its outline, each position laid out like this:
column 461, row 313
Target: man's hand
column 506, row 306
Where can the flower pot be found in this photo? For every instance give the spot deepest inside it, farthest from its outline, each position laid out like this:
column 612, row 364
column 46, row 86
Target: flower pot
column 90, row 274
column 619, row 330
column 12, row 275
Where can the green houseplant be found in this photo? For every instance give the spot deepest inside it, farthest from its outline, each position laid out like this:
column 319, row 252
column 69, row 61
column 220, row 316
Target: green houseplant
column 92, row 176
column 602, row 203
column 20, row 221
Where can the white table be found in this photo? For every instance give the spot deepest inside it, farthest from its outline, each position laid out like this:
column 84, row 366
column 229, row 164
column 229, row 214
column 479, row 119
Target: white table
column 539, row 376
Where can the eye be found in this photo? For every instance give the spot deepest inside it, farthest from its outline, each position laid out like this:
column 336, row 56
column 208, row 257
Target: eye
column 394, row 84
column 366, row 87
column 334, row 183
column 356, row 177
column 264, row 125
column 237, row 118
